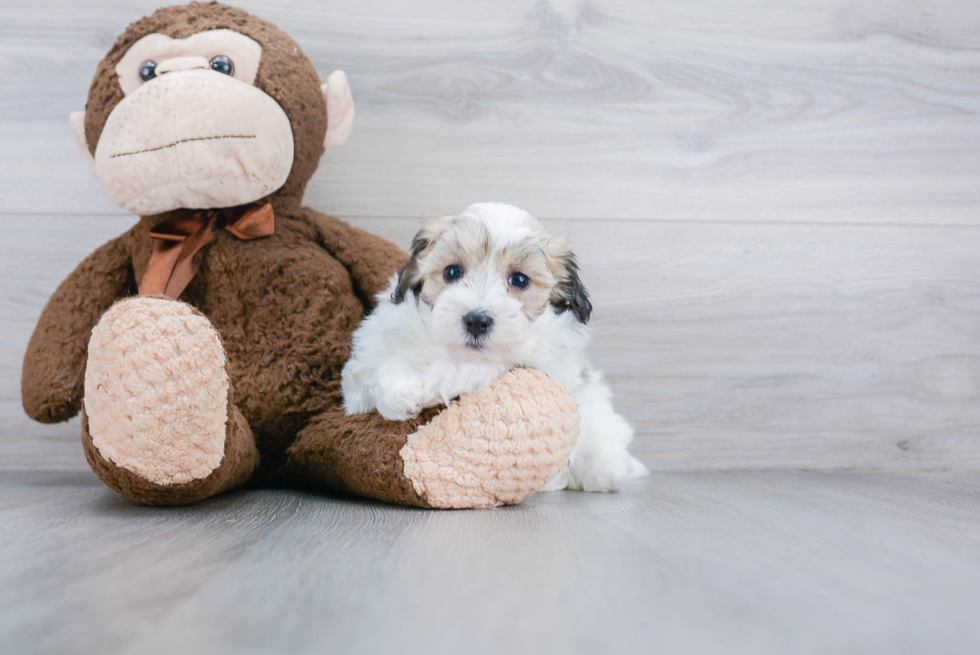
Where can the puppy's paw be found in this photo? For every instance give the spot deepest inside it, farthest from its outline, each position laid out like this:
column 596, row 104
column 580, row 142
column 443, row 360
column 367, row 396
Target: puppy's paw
column 637, row 468
column 402, row 400
column 603, row 472
column 556, row 483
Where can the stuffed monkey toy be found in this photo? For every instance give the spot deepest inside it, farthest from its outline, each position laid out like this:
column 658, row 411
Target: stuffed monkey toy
column 204, row 346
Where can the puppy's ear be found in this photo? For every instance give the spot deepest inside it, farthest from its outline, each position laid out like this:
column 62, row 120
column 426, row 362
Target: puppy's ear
column 570, row 293
column 408, row 276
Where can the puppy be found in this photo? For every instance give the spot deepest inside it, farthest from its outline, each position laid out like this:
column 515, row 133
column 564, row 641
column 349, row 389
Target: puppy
column 484, row 292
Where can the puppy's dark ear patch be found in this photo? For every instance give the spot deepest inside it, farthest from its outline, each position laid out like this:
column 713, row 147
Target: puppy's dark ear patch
column 570, row 293
column 408, row 276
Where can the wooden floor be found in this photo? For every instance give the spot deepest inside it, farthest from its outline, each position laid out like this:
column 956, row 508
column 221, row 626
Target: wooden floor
column 739, row 562
column 777, row 210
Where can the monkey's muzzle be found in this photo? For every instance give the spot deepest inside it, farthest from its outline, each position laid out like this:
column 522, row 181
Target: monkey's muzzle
column 194, row 139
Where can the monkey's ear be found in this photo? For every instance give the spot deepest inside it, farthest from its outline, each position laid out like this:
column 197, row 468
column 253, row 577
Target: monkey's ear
column 340, row 109
column 570, row 293
column 408, row 274
column 77, row 120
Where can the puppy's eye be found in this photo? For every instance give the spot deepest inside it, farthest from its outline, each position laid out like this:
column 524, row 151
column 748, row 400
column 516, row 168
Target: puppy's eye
column 452, row 273
column 519, row 280
column 148, row 70
column 223, row 64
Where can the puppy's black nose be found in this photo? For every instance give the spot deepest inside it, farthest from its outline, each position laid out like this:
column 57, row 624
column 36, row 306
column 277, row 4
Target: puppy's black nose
column 477, row 323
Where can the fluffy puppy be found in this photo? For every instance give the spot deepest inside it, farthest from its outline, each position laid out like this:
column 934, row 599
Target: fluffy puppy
column 484, row 292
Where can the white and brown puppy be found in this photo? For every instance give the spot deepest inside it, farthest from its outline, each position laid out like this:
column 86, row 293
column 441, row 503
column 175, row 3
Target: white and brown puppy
column 484, row 292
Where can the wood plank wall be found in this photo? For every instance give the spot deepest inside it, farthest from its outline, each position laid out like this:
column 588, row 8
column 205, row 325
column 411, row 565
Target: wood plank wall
column 776, row 205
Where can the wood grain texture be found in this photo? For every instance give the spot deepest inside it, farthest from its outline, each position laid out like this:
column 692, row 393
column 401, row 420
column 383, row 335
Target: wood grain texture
column 727, row 346
column 772, row 341
column 777, row 212
column 680, row 563
column 757, row 110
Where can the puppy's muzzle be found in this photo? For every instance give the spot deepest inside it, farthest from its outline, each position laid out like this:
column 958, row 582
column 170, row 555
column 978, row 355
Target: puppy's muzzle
column 477, row 323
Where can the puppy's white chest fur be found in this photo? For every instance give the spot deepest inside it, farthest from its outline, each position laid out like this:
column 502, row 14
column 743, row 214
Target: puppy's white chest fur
column 484, row 292
column 399, row 367
column 446, row 378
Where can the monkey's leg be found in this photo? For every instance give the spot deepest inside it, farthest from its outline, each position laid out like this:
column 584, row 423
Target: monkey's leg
column 494, row 447
column 158, row 425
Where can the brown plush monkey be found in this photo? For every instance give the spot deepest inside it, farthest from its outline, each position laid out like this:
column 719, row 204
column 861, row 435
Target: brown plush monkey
column 208, row 122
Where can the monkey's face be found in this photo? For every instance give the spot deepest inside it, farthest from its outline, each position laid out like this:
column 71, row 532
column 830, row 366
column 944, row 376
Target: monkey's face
column 192, row 130
column 192, row 126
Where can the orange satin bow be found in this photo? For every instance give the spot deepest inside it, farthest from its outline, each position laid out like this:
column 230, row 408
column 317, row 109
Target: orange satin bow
column 179, row 241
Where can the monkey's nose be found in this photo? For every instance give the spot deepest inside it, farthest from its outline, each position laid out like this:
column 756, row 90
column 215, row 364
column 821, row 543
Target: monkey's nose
column 477, row 323
column 181, row 64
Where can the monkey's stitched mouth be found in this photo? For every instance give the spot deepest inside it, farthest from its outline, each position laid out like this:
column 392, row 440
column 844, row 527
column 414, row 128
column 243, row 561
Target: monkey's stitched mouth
column 177, row 143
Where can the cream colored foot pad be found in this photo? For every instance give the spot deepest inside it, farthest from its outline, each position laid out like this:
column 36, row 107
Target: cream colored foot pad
column 156, row 390
column 518, row 435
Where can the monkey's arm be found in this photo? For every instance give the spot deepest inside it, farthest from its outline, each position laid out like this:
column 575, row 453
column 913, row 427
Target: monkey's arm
column 54, row 366
column 370, row 259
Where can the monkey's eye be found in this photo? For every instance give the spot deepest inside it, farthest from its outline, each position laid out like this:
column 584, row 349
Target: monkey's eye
column 519, row 280
column 148, row 70
column 452, row 273
column 223, row 64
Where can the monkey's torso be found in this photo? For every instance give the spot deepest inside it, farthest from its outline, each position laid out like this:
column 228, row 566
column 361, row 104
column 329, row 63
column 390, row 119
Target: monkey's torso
column 285, row 309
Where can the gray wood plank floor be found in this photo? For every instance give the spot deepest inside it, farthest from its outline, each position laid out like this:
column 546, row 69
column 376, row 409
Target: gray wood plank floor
column 742, row 562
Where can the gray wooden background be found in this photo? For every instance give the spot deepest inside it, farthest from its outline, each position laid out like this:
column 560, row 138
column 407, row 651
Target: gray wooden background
column 776, row 204
column 777, row 209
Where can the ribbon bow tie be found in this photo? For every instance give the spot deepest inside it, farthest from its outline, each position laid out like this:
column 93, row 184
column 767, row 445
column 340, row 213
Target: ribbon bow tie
column 179, row 241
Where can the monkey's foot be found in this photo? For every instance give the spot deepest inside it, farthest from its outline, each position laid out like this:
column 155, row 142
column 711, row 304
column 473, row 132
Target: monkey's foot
column 496, row 446
column 156, row 391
